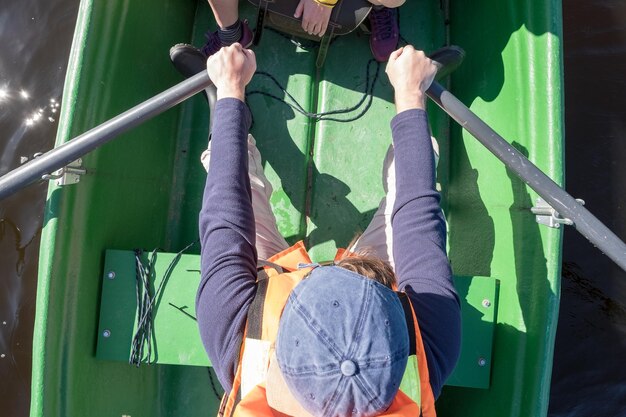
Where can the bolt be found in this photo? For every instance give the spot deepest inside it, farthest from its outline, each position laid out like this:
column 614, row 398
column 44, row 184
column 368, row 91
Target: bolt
column 486, row 303
column 111, row 275
column 482, row 362
column 106, row 333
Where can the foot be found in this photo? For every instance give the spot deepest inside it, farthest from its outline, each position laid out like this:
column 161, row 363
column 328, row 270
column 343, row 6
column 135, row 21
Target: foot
column 187, row 59
column 385, row 32
column 190, row 60
column 214, row 43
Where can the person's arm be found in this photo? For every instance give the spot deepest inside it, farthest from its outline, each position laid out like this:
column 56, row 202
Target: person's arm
column 419, row 229
column 228, row 255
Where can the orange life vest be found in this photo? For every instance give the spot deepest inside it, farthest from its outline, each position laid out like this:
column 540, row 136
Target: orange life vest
column 275, row 282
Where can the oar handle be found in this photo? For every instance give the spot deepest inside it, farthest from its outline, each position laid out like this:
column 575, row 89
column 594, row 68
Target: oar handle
column 70, row 151
column 566, row 205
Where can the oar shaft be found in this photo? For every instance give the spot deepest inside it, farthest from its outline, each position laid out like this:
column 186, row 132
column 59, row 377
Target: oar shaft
column 90, row 140
column 585, row 222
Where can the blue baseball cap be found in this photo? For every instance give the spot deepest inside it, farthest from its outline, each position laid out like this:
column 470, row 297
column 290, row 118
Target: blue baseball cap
column 342, row 344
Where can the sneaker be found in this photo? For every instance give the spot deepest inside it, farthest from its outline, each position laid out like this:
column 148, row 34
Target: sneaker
column 189, row 60
column 214, row 43
column 385, row 32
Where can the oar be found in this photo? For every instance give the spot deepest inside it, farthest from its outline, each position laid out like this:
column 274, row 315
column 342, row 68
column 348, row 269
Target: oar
column 63, row 155
column 585, row 222
column 70, row 151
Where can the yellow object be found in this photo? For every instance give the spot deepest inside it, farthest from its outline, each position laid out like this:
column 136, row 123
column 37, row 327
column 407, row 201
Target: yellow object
column 327, row 3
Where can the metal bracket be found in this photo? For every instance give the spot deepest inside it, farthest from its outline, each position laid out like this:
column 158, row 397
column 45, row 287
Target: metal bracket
column 67, row 175
column 548, row 216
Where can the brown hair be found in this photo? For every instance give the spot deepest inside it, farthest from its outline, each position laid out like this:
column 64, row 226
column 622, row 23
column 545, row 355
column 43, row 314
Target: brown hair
column 363, row 263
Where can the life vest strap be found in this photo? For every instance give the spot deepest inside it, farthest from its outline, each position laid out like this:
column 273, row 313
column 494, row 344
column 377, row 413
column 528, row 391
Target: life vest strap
column 262, row 263
column 255, row 312
column 408, row 315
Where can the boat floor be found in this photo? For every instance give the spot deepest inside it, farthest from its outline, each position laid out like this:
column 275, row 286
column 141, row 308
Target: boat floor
column 327, row 175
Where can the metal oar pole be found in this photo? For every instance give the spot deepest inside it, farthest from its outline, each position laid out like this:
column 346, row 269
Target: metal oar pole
column 70, row 151
column 585, row 222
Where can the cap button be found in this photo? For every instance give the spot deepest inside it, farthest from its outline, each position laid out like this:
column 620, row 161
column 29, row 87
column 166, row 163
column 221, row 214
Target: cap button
column 348, row 368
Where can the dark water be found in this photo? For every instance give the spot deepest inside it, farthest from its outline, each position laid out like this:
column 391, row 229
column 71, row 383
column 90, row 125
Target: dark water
column 34, row 45
column 589, row 376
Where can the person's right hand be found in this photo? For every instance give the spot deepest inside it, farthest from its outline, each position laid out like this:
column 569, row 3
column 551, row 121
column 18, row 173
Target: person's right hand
column 410, row 72
column 231, row 69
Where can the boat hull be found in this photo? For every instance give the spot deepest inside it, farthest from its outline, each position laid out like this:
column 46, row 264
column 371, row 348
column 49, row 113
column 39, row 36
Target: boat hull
column 144, row 189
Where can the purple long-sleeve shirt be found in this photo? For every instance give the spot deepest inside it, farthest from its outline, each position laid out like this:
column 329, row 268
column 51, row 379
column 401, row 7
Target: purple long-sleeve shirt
column 228, row 256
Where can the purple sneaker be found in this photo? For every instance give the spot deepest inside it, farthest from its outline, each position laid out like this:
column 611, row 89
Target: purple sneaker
column 214, row 44
column 385, row 32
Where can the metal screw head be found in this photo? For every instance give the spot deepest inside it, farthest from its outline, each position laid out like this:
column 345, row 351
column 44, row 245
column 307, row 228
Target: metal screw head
column 106, row 333
column 486, row 303
column 482, row 362
column 111, row 275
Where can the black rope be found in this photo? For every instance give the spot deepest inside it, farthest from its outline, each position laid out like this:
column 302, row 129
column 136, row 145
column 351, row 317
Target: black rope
column 141, row 337
column 293, row 103
column 144, row 278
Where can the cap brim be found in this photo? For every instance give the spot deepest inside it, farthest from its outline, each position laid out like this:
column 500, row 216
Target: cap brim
column 279, row 396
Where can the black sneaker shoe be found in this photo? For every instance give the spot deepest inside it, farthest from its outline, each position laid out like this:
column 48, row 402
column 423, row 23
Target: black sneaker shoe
column 190, row 61
column 187, row 59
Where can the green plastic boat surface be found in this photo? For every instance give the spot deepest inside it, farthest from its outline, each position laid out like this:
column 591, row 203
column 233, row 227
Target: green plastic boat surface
column 144, row 189
column 175, row 338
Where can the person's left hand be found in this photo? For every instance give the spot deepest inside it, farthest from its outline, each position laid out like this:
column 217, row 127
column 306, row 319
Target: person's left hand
column 315, row 17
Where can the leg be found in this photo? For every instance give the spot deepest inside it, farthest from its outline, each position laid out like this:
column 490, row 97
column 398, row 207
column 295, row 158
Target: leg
column 189, row 60
column 229, row 28
column 269, row 241
column 226, row 12
column 378, row 237
column 387, row 3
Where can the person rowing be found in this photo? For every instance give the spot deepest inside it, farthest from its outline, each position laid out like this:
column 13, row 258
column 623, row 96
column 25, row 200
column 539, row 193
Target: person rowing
column 287, row 336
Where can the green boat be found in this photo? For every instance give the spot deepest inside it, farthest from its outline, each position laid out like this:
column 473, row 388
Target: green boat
column 144, row 191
